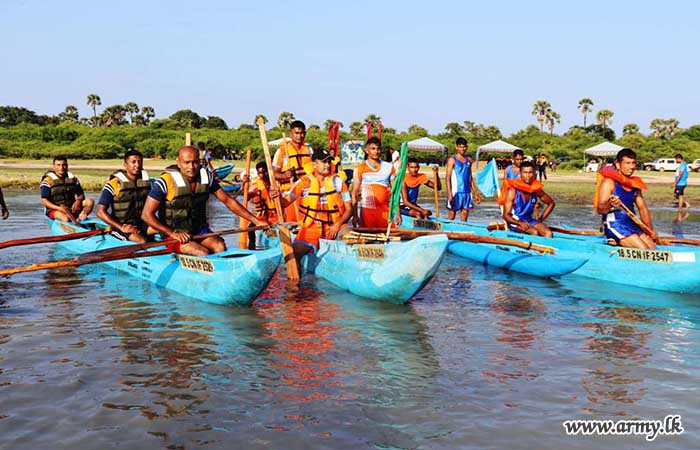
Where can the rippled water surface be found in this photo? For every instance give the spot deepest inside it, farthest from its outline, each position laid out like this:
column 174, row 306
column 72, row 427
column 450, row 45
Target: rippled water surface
column 481, row 358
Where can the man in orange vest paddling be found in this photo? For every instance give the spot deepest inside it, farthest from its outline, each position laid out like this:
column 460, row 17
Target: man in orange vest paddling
column 291, row 161
column 411, row 186
column 371, row 187
column 323, row 203
column 618, row 187
column 520, row 201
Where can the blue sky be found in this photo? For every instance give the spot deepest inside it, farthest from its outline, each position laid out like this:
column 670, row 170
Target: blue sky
column 427, row 63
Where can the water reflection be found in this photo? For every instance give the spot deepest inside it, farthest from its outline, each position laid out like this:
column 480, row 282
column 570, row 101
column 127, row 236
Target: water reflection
column 618, row 345
column 518, row 312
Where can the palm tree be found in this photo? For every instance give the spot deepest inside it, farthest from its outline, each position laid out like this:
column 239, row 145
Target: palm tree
column 539, row 109
column 585, row 106
column 264, row 119
column 131, row 108
column 69, row 115
column 630, row 128
column 327, row 124
column 658, row 126
column 469, row 126
column 374, row 119
column 551, row 117
column 148, row 113
column 604, row 117
column 417, row 130
column 671, row 127
column 113, row 115
column 94, row 101
column 356, row 128
column 454, row 128
column 285, row 119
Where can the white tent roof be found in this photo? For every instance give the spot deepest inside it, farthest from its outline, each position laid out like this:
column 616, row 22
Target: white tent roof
column 426, row 144
column 604, row 149
column 497, row 147
column 277, row 142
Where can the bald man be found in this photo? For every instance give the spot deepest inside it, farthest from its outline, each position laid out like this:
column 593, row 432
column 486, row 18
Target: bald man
column 177, row 205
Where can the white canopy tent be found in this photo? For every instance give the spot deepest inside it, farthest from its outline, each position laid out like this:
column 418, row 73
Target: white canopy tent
column 426, row 144
column 603, row 149
column 498, row 146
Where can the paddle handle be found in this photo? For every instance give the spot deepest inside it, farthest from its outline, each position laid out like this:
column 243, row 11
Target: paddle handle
column 285, row 237
column 435, row 194
column 648, row 231
column 243, row 240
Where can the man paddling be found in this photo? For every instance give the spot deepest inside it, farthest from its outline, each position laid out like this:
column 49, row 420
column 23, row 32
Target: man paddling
column 123, row 197
column 520, row 200
column 177, row 205
column 291, row 161
column 618, row 187
column 411, row 186
column 61, row 194
column 323, row 203
column 371, row 187
column 460, row 183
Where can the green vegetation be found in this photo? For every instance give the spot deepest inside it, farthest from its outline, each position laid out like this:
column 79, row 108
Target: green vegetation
column 110, row 132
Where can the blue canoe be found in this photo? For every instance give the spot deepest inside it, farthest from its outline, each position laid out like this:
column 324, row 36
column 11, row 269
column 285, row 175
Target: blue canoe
column 223, row 171
column 392, row 272
column 232, row 277
column 516, row 259
column 674, row 268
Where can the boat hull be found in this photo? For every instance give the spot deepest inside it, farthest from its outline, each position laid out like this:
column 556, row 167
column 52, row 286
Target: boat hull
column 405, row 269
column 516, row 259
column 674, row 268
column 233, row 277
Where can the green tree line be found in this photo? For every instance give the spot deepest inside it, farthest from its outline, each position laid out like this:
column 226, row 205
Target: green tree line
column 110, row 132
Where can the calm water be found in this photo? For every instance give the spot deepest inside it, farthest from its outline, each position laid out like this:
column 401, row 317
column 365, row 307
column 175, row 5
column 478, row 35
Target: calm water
column 482, row 358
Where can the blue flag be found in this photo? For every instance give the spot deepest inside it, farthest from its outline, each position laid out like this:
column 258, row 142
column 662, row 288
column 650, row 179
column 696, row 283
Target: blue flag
column 487, row 179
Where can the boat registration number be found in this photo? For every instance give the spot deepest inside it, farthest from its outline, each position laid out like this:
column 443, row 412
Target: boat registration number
column 372, row 252
column 640, row 254
column 428, row 224
column 196, row 264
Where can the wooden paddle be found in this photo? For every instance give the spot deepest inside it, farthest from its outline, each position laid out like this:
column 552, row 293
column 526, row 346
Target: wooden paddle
column 666, row 240
column 243, row 238
column 46, row 239
column 122, row 252
column 461, row 236
column 435, row 192
column 285, row 237
column 503, row 226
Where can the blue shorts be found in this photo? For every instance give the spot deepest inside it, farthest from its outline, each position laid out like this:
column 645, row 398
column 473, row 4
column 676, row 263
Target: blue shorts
column 405, row 211
column 620, row 229
column 678, row 190
column 529, row 220
column 461, row 200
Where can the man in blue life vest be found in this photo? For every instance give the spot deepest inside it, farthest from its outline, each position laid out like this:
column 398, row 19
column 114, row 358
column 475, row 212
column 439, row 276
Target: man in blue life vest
column 679, row 184
column 61, row 194
column 176, row 207
column 520, row 201
column 123, row 198
column 460, row 183
column 411, row 186
column 618, row 186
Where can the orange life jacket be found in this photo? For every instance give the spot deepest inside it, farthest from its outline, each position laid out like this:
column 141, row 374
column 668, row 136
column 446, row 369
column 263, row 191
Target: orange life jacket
column 310, row 207
column 520, row 185
column 299, row 161
column 264, row 205
column 613, row 174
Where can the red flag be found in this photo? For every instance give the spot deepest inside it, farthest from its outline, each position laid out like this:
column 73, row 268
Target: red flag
column 379, row 131
column 369, row 130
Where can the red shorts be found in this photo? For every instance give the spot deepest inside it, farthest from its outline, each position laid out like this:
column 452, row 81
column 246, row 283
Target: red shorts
column 51, row 214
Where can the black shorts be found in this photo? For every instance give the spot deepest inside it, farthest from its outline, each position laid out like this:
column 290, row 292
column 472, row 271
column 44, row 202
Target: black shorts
column 125, row 236
column 679, row 190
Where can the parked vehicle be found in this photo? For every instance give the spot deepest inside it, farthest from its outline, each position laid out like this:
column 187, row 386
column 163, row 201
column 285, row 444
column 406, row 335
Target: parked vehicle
column 661, row 164
column 592, row 166
column 694, row 166
column 563, row 159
